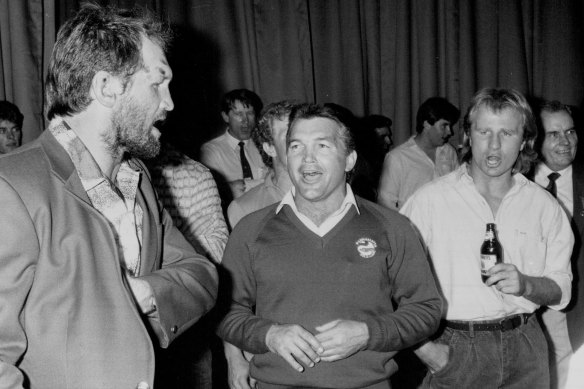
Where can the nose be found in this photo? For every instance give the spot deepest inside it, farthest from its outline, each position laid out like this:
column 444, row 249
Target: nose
column 495, row 142
column 449, row 131
column 308, row 155
column 563, row 138
column 167, row 103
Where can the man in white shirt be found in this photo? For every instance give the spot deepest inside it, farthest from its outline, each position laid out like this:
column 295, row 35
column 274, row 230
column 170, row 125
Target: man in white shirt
column 270, row 138
column 558, row 143
column 423, row 157
column 491, row 338
column 232, row 157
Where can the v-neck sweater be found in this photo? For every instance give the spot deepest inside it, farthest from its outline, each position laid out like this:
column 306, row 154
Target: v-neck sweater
column 369, row 263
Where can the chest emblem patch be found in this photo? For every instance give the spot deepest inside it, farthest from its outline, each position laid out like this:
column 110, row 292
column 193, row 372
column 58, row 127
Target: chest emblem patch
column 366, row 247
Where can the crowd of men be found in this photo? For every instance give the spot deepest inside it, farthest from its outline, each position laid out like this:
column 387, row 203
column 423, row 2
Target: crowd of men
column 118, row 274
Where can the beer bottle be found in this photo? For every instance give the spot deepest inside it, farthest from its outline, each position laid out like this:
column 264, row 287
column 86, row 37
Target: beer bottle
column 491, row 251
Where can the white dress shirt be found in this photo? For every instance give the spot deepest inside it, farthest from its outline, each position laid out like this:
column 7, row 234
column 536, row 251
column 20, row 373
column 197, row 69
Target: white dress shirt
column 564, row 185
column 222, row 156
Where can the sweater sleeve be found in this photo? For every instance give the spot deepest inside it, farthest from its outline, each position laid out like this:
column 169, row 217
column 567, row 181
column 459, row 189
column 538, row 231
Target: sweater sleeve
column 414, row 291
column 240, row 326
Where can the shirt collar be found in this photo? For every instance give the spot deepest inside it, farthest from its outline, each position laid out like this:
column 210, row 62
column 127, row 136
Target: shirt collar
column 543, row 170
column 463, row 175
column 347, row 201
column 233, row 141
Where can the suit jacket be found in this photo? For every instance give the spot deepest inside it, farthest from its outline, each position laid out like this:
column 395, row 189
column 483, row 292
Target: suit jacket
column 575, row 311
column 67, row 316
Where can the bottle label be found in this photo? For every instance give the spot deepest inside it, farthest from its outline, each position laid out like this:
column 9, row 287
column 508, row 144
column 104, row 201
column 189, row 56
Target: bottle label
column 487, row 262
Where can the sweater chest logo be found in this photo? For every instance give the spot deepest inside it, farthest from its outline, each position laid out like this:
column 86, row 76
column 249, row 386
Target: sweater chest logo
column 366, row 247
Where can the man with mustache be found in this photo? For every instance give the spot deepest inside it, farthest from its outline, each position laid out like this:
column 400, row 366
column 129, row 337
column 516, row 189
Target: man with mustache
column 93, row 270
column 423, row 157
column 325, row 286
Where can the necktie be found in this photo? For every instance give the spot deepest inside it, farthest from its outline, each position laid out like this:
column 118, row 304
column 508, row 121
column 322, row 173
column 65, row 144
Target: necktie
column 552, row 184
column 244, row 163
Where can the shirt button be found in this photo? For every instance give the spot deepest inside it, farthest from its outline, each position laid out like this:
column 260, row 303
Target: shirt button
column 173, row 329
column 143, row 385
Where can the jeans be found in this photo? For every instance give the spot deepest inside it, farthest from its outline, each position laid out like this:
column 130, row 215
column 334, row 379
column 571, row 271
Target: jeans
column 515, row 359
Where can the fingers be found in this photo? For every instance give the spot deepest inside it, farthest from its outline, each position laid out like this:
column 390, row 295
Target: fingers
column 293, row 343
column 327, row 326
column 506, row 279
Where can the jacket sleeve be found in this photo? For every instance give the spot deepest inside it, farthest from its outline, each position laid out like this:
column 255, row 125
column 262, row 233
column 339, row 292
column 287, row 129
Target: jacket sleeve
column 184, row 282
column 19, row 253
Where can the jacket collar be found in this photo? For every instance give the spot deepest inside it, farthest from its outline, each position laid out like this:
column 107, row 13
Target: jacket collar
column 62, row 166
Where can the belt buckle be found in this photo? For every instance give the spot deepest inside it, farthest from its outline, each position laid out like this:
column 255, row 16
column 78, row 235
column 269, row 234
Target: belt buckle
column 509, row 323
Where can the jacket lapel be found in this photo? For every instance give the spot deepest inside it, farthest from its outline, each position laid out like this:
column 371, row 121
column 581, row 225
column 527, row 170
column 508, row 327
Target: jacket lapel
column 63, row 167
column 151, row 223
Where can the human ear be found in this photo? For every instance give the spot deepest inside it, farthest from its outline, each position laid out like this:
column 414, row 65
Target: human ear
column 106, row 88
column 350, row 161
column 269, row 149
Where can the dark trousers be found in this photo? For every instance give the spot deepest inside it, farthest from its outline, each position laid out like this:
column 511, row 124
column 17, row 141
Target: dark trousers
column 516, row 359
column 187, row 363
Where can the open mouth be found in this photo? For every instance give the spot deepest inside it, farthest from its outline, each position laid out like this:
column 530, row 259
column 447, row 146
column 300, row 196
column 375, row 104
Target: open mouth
column 493, row 161
column 567, row 152
column 311, row 175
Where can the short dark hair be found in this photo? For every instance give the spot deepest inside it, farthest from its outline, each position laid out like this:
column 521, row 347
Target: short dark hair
column 372, row 122
column 262, row 133
column 97, row 39
column 548, row 106
column 498, row 100
column 327, row 111
column 434, row 109
column 11, row 113
column 246, row 97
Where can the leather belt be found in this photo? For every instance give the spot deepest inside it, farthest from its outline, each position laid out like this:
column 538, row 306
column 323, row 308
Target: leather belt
column 505, row 324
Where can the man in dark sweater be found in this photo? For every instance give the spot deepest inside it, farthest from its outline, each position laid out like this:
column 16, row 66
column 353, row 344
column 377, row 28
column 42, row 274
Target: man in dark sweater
column 326, row 287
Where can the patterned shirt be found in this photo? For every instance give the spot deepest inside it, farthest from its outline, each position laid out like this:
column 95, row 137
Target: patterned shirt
column 116, row 201
column 189, row 194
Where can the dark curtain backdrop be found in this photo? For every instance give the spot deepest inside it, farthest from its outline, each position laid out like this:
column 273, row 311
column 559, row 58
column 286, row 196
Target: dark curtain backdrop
column 372, row 56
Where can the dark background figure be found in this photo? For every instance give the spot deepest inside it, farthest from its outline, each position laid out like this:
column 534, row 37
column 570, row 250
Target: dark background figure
column 10, row 127
column 361, row 177
column 375, row 139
